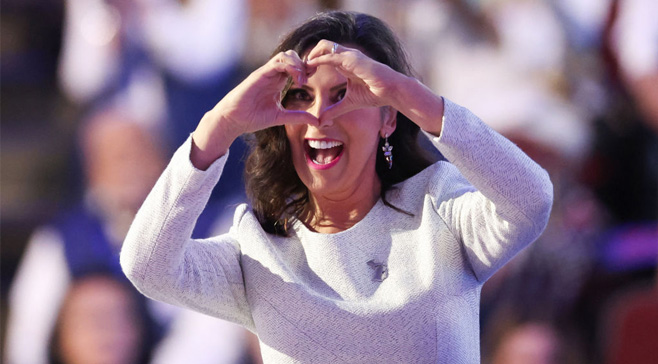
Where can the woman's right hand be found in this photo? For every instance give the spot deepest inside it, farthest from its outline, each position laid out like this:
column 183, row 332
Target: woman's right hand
column 251, row 106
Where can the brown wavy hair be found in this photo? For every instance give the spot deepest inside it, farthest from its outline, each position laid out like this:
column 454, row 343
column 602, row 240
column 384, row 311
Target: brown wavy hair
column 276, row 193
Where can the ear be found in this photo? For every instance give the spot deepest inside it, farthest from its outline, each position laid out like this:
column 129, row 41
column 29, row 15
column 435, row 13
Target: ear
column 389, row 121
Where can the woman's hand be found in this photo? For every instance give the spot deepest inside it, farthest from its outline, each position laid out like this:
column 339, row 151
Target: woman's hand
column 369, row 83
column 251, row 106
column 372, row 84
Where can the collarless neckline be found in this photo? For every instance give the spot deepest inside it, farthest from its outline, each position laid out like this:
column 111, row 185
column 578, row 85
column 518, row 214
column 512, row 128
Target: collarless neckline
column 302, row 230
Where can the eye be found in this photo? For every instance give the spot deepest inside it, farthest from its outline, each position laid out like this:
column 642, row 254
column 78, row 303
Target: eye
column 341, row 94
column 296, row 96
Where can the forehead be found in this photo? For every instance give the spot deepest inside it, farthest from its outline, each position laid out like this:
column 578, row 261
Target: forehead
column 325, row 76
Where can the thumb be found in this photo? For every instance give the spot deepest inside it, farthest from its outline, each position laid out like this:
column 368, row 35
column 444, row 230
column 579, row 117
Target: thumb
column 297, row 117
column 335, row 111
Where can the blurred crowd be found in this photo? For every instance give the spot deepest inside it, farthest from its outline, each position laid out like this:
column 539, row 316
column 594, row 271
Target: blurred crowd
column 97, row 94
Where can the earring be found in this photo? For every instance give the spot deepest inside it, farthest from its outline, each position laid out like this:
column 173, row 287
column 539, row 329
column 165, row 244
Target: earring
column 388, row 152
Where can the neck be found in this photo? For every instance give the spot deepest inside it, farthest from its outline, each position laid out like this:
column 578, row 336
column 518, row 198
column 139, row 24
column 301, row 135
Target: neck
column 329, row 215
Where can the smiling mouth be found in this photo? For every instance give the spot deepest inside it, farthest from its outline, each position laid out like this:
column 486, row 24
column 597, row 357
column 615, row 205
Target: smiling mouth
column 323, row 153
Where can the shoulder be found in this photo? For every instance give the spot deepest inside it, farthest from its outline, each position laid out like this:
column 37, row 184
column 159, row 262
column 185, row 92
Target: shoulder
column 440, row 181
column 246, row 228
column 243, row 213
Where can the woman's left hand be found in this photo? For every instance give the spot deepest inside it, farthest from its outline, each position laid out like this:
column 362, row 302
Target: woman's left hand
column 369, row 83
column 373, row 84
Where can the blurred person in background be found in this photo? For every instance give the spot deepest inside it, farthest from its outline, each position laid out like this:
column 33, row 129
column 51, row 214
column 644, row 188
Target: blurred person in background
column 515, row 340
column 101, row 321
column 492, row 52
column 630, row 326
column 633, row 39
column 122, row 158
column 623, row 171
column 162, row 59
column 624, row 166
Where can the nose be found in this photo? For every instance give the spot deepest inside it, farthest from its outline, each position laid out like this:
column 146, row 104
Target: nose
column 318, row 107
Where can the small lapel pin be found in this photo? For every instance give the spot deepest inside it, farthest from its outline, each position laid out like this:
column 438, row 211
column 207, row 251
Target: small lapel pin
column 381, row 270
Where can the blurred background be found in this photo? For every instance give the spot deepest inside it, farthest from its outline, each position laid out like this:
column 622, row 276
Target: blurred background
column 97, row 94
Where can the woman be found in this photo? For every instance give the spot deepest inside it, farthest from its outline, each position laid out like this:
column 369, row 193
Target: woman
column 346, row 254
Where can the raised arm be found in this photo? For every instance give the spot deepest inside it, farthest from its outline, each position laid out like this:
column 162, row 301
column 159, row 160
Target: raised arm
column 511, row 206
column 158, row 255
column 164, row 263
column 255, row 104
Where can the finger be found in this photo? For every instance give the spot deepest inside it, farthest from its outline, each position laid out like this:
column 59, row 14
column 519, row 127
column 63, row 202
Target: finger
column 344, row 63
column 309, row 70
column 336, row 110
column 296, row 117
column 297, row 74
column 333, row 59
column 323, row 47
column 289, row 62
column 289, row 56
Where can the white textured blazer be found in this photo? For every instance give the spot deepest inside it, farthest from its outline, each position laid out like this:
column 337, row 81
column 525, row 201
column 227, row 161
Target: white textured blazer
column 393, row 288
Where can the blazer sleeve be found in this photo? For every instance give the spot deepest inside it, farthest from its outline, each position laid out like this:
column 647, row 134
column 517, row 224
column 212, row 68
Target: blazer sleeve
column 162, row 260
column 511, row 203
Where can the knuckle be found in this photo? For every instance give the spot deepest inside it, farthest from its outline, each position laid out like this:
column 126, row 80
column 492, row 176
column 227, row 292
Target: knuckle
column 325, row 42
column 351, row 57
column 277, row 58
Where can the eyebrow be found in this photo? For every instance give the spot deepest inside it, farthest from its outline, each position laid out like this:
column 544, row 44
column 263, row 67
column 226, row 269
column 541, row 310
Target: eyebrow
column 334, row 88
column 342, row 85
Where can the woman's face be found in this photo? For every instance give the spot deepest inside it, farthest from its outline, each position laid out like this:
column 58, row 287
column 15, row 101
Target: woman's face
column 335, row 160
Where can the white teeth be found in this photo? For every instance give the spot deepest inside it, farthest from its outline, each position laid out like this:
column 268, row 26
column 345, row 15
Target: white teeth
column 323, row 144
column 321, row 162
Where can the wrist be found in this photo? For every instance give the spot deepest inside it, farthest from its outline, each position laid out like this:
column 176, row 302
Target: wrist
column 400, row 91
column 211, row 140
column 420, row 104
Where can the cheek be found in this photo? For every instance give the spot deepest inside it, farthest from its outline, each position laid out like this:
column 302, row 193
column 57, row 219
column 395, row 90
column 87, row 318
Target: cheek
column 294, row 133
column 369, row 149
column 293, row 130
column 295, row 140
column 365, row 128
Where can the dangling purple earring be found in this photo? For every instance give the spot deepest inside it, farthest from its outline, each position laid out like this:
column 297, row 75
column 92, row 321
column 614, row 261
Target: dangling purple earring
column 388, row 152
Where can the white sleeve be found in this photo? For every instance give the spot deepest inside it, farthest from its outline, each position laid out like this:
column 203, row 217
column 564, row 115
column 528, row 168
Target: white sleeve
column 514, row 196
column 162, row 260
column 38, row 289
column 196, row 40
